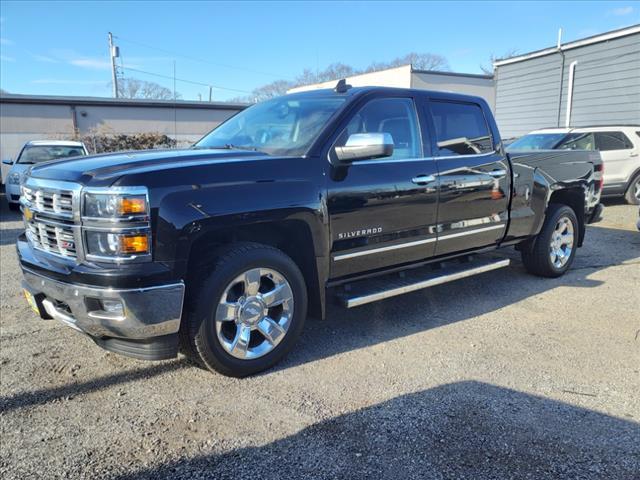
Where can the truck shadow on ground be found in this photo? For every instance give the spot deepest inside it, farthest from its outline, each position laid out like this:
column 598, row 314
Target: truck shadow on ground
column 41, row 397
column 460, row 430
column 463, row 300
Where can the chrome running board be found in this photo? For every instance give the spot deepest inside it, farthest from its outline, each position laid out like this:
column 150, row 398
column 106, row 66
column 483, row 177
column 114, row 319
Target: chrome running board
column 372, row 290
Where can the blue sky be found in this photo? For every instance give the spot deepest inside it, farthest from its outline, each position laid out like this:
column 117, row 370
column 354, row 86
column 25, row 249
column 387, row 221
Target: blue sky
column 60, row 48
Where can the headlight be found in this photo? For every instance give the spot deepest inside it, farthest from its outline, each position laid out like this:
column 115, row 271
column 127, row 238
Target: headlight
column 115, row 206
column 14, row 178
column 116, row 224
column 117, row 245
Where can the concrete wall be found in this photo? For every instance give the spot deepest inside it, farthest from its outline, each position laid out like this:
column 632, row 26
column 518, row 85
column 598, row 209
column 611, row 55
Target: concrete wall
column 532, row 93
column 24, row 118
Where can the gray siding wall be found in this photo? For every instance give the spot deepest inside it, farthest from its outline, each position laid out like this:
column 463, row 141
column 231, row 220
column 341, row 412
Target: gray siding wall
column 531, row 95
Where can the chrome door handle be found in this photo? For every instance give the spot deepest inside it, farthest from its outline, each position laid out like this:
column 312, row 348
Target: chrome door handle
column 422, row 179
column 634, row 154
column 498, row 173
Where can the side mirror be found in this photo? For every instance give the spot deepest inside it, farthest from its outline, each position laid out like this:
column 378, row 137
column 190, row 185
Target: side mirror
column 364, row 146
column 7, row 161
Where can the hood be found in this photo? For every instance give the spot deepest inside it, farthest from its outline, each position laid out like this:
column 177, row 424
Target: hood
column 106, row 169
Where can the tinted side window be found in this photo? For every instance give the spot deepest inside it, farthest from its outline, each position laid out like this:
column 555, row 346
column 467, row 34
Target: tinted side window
column 395, row 116
column 461, row 128
column 577, row 141
column 612, row 141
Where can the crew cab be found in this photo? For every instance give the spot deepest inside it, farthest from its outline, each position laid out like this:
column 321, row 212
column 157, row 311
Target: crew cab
column 350, row 195
column 619, row 147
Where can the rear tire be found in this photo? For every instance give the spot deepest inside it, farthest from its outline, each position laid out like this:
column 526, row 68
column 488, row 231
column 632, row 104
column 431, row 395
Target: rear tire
column 246, row 312
column 632, row 195
column 554, row 248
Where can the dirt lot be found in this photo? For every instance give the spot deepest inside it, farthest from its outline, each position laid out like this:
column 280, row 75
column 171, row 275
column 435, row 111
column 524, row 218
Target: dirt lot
column 499, row 376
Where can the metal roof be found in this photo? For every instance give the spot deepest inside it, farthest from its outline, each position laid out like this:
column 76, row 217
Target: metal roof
column 603, row 37
column 128, row 102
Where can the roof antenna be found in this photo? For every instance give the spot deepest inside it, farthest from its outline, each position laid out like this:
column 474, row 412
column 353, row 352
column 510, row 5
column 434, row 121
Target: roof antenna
column 342, row 86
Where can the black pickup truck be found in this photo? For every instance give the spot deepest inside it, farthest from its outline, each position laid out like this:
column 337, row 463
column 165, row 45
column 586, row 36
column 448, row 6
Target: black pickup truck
column 350, row 194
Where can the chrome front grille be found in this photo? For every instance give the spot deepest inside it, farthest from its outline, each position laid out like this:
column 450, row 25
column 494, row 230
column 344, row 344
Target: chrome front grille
column 53, row 201
column 51, row 216
column 51, row 237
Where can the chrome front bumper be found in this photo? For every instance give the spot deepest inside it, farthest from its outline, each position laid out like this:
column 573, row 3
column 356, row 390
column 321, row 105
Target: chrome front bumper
column 146, row 313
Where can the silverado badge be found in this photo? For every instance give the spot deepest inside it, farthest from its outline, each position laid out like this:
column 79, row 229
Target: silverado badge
column 360, row 233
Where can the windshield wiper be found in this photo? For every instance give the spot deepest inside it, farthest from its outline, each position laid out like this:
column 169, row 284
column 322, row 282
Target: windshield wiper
column 230, row 146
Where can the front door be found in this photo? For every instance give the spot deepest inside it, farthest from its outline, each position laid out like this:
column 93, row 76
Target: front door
column 475, row 180
column 383, row 211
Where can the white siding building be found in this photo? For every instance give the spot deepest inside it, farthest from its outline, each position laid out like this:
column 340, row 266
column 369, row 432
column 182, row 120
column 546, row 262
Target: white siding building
column 593, row 81
column 407, row 77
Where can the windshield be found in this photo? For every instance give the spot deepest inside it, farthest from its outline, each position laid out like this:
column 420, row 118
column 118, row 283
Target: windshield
column 537, row 141
column 44, row 153
column 282, row 126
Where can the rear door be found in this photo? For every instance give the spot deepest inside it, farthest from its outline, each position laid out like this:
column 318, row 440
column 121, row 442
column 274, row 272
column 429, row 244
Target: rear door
column 619, row 157
column 382, row 211
column 474, row 177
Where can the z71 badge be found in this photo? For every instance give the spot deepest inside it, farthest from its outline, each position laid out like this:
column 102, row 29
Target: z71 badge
column 359, row 233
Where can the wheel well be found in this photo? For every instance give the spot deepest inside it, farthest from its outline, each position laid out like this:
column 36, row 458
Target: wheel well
column 632, row 177
column 574, row 198
column 293, row 237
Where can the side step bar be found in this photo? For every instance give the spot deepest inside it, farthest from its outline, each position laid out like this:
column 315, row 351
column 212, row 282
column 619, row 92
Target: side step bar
column 367, row 291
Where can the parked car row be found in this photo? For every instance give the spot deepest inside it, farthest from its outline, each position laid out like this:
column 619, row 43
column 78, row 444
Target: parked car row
column 34, row 152
column 619, row 147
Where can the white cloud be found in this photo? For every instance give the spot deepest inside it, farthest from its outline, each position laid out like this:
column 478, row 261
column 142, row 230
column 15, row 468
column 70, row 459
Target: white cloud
column 5, row 41
column 622, row 11
column 4, row 58
column 55, row 81
column 91, row 63
column 44, row 58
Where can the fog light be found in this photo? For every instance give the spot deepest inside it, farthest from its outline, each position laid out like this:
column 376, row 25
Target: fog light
column 113, row 307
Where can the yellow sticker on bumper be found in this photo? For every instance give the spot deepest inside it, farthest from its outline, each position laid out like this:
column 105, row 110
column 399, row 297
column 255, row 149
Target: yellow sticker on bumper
column 31, row 301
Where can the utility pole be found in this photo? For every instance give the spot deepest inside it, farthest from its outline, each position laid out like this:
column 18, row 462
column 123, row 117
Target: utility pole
column 210, row 92
column 114, row 52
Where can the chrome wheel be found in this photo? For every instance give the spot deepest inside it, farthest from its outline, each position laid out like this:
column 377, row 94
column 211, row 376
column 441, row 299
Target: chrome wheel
column 636, row 189
column 561, row 242
column 254, row 313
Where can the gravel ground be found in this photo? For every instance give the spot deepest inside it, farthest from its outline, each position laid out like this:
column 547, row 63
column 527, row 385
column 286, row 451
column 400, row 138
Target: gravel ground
column 499, row 376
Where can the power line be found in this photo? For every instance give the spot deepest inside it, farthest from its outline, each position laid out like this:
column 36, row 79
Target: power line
column 196, row 59
column 184, row 80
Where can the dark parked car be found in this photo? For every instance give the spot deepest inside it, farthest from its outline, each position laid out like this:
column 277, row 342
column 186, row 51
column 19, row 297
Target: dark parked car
column 353, row 194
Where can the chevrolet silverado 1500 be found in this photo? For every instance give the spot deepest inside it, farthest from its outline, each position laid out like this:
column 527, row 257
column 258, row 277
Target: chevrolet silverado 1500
column 352, row 194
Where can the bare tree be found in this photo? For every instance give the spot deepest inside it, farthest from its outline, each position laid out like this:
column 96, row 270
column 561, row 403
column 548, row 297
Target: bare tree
column 488, row 70
column 336, row 71
column 134, row 88
column 420, row 61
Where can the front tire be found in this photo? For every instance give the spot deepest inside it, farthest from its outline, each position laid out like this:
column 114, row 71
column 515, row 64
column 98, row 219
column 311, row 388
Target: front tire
column 246, row 312
column 554, row 248
column 632, row 195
